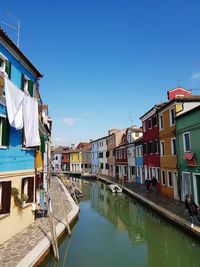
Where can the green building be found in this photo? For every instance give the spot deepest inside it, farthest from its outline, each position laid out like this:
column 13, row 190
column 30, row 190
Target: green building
column 188, row 152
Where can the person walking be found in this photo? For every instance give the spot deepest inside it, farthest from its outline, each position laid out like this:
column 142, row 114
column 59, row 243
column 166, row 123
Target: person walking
column 192, row 209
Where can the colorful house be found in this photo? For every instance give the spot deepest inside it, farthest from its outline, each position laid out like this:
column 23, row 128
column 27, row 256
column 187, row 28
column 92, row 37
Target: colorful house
column 187, row 135
column 180, row 101
column 95, row 156
column 132, row 134
column 103, row 155
column 121, row 159
column 75, row 161
column 151, row 153
column 86, row 159
column 17, row 162
column 65, row 161
column 113, row 140
column 139, row 161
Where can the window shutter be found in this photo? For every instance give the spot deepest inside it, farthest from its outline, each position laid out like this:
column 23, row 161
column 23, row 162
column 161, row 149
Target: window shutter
column 22, row 187
column 22, row 82
column 30, row 189
column 8, row 68
column 6, row 195
column 30, row 87
column 5, row 132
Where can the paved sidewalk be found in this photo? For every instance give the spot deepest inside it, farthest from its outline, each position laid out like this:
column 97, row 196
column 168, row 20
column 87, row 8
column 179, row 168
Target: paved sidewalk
column 16, row 248
column 172, row 205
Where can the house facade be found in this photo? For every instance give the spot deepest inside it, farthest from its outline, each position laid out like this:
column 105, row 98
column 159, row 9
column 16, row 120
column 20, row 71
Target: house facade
column 187, row 134
column 86, row 159
column 65, row 162
column 150, row 140
column 75, row 161
column 113, row 140
column 103, row 156
column 95, row 156
column 17, row 161
column 121, row 159
column 132, row 134
column 139, row 161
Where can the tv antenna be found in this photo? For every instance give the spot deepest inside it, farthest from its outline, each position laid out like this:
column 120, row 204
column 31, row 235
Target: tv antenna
column 15, row 27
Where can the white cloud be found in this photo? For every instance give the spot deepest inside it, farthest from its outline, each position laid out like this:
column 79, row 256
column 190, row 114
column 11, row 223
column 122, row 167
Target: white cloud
column 196, row 76
column 69, row 120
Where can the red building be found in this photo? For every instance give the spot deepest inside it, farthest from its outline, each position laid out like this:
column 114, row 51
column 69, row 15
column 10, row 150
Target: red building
column 121, row 158
column 65, row 161
column 150, row 142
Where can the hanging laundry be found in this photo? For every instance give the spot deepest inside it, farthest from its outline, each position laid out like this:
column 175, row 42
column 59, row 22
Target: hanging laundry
column 31, row 127
column 14, row 103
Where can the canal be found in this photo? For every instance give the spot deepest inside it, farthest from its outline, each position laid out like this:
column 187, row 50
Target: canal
column 116, row 230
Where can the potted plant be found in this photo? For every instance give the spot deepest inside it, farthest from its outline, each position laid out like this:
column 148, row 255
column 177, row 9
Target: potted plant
column 24, row 199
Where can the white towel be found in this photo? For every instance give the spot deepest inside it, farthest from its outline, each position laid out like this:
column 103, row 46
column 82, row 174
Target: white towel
column 30, row 115
column 14, row 103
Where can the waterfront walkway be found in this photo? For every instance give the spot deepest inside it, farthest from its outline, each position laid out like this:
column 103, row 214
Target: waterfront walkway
column 16, row 248
column 172, row 209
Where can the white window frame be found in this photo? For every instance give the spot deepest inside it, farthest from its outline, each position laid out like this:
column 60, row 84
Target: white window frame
column 156, row 140
column 162, row 148
column 168, row 179
column 184, row 146
column 157, row 174
column 172, row 147
column 3, row 68
column 170, row 116
column 161, row 124
column 162, row 177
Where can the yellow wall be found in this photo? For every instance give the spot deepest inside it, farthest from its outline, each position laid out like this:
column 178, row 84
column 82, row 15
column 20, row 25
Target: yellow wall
column 38, row 160
column 75, row 157
column 18, row 219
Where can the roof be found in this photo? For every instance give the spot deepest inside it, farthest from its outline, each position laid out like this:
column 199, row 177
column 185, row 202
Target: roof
column 8, row 41
column 181, row 99
column 155, row 107
column 93, row 141
column 188, row 112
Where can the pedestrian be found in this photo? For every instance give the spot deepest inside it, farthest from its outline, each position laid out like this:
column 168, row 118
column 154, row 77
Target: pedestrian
column 192, row 209
column 147, row 184
column 154, row 183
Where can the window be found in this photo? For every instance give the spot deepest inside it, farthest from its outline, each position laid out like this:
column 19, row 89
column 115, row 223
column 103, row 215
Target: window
column 141, row 152
column 154, row 121
column 173, row 144
column 156, row 150
column 144, row 148
column 163, row 177
column 5, row 196
column 130, row 138
column 125, row 153
column 113, row 152
column 117, row 169
column 106, row 166
column 150, row 123
column 137, row 151
column 138, row 171
column 101, row 165
column 57, row 157
column 161, row 125
column 144, row 127
column 124, row 170
column 150, row 151
column 172, row 116
column 4, row 131
column 133, row 170
column 158, row 174
column 162, row 148
column 8, row 68
column 186, row 142
column 136, row 134
column 107, row 154
column 2, row 62
column 100, row 155
column 27, row 188
column 117, row 154
column 169, row 178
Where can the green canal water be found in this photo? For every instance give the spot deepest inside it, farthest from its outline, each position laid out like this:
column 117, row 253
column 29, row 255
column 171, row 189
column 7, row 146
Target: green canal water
column 116, row 230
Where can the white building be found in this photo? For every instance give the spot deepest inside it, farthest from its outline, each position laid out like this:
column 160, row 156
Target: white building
column 132, row 135
column 103, row 155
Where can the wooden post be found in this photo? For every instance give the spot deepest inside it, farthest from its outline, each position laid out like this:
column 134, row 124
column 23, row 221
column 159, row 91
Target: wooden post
column 52, row 228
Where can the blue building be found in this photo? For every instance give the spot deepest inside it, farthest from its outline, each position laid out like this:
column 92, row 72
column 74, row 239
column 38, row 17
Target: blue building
column 17, row 163
column 95, row 156
column 139, row 161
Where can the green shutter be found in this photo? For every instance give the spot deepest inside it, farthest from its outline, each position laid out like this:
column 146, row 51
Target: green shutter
column 22, row 82
column 42, row 144
column 5, row 132
column 8, row 68
column 30, row 87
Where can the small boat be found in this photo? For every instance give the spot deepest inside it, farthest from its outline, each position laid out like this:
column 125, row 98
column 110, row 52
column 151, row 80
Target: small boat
column 115, row 188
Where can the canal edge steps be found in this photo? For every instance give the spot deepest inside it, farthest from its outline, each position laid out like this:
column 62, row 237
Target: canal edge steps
column 38, row 252
column 170, row 216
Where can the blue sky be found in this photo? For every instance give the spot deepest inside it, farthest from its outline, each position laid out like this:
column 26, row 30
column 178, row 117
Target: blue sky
column 106, row 62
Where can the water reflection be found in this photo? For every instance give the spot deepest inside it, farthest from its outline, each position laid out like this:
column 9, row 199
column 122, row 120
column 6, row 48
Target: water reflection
column 115, row 230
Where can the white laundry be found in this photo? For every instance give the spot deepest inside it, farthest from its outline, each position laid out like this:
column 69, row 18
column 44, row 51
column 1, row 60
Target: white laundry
column 30, row 116
column 14, row 103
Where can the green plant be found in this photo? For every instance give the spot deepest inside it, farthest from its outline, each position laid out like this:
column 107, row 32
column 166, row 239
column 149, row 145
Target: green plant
column 24, row 197
column 14, row 192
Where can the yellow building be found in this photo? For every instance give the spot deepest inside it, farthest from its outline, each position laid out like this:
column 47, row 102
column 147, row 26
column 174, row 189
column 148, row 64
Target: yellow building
column 75, row 161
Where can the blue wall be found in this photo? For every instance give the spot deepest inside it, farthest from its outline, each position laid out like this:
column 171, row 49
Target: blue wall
column 138, row 162
column 95, row 152
column 15, row 157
